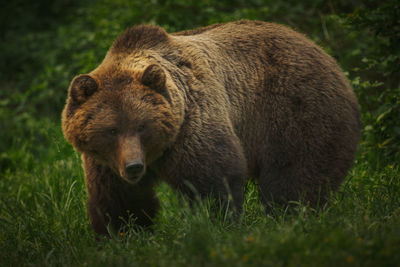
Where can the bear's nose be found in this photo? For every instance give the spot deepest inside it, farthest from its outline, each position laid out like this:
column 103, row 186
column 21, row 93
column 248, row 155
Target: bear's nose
column 134, row 168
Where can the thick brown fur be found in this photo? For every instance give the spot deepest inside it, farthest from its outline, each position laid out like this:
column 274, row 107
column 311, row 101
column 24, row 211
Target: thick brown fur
column 204, row 110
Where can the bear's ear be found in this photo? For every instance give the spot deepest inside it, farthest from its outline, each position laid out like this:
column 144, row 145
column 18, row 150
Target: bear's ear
column 154, row 77
column 82, row 87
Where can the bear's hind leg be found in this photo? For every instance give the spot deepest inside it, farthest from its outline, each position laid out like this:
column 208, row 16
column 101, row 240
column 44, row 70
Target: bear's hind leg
column 287, row 185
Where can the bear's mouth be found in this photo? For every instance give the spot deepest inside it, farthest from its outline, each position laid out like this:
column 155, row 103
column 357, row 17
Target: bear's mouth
column 133, row 180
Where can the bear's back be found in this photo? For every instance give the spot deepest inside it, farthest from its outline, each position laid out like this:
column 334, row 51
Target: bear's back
column 283, row 92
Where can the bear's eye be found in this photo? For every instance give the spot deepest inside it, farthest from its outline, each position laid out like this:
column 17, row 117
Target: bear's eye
column 141, row 128
column 113, row 131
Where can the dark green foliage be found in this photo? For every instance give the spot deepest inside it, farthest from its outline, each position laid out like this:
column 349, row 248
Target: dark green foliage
column 43, row 221
column 378, row 83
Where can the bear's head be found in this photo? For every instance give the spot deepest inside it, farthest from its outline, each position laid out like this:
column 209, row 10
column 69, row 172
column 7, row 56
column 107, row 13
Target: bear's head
column 123, row 119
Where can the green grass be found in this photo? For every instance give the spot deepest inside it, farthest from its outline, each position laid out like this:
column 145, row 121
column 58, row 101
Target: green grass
column 43, row 219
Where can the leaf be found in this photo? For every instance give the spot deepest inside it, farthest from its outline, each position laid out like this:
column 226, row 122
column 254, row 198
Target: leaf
column 382, row 115
column 368, row 128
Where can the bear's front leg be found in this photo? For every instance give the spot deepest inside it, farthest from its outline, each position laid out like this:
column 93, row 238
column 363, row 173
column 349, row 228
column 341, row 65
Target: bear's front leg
column 113, row 202
column 207, row 163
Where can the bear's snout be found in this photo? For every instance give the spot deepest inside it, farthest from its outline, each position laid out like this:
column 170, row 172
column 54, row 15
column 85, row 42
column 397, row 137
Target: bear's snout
column 131, row 163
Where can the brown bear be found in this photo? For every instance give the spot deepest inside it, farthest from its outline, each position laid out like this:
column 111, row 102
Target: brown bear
column 205, row 110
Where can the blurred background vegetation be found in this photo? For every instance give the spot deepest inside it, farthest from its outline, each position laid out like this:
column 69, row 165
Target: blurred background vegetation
column 43, row 221
column 44, row 44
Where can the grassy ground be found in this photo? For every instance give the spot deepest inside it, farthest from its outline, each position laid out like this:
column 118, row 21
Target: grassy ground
column 43, row 220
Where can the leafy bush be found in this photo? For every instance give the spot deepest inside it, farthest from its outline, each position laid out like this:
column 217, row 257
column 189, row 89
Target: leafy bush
column 378, row 83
